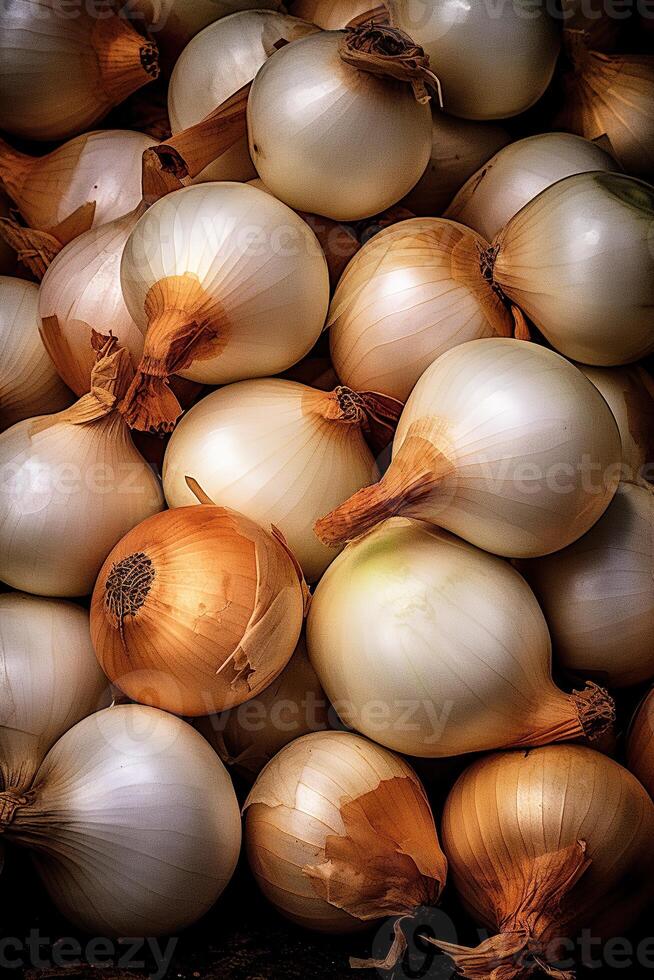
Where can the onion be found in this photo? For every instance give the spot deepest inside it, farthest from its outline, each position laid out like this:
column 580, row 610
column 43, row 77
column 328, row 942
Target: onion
column 279, row 452
column 578, row 260
column 640, row 744
column 132, row 821
column 175, row 22
column 600, row 22
column 434, row 648
column 81, row 293
column 71, row 485
column 493, row 61
column 249, row 736
column 196, row 610
column 103, row 168
column 598, row 594
column 50, row 681
column 542, row 844
column 501, row 442
column 518, row 173
column 411, row 293
column 221, row 312
column 612, row 96
column 29, row 384
column 331, row 15
column 339, row 832
column 72, row 68
column 458, row 149
column 630, row 395
column 309, row 108
column 215, row 65
column 7, row 253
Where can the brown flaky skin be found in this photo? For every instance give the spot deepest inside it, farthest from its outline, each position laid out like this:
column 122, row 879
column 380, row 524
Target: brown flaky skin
column 640, row 744
column 196, row 611
column 541, row 844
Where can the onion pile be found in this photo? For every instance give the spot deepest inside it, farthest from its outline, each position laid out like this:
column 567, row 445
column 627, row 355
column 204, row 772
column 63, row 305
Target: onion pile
column 277, row 451
column 540, row 844
column 196, row 610
column 411, row 293
column 502, row 442
column 95, row 59
column 29, row 384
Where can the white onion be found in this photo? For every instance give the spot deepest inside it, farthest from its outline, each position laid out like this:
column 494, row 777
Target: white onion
column 629, row 393
column 50, row 680
column 579, row 261
column 103, row 167
column 72, row 66
column 215, row 65
column 133, row 823
column 434, row 648
column 210, row 275
column 598, row 594
column 29, row 384
column 504, row 443
column 331, row 15
column 411, row 293
column 80, row 293
column 492, row 61
column 459, row 148
column 276, row 451
column 518, row 173
column 70, row 486
column 308, row 110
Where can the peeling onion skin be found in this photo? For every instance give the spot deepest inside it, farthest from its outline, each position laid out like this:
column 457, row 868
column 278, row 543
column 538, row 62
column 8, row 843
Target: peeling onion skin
column 490, row 66
column 294, row 141
column 196, row 611
column 598, row 594
column 304, row 800
column 410, row 294
column 29, row 383
column 640, row 744
column 50, row 681
column 518, row 173
column 215, row 65
column 266, row 448
column 131, row 789
column 508, row 810
column 578, row 260
column 393, row 622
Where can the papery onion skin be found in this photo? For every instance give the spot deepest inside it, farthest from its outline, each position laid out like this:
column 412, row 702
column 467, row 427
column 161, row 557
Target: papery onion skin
column 393, row 623
column 411, row 293
column 459, row 148
column 29, row 383
column 373, row 126
column 502, row 442
column 133, row 822
column 610, row 96
column 215, row 65
column 492, row 62
column 331, row 15
column 50, row 681
column 578, row 260
column 278, row 452
column 93, row 63
column 248, row 737
column 8, row 261
column 102, row 167
column 629, row 393
column 196, row 610
column 518, row 173
column 512, row 824
column 72, row 484
column 598, row 594
column 332, row 788
column 80, row 293
column 640, row 744
column 206, row 312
